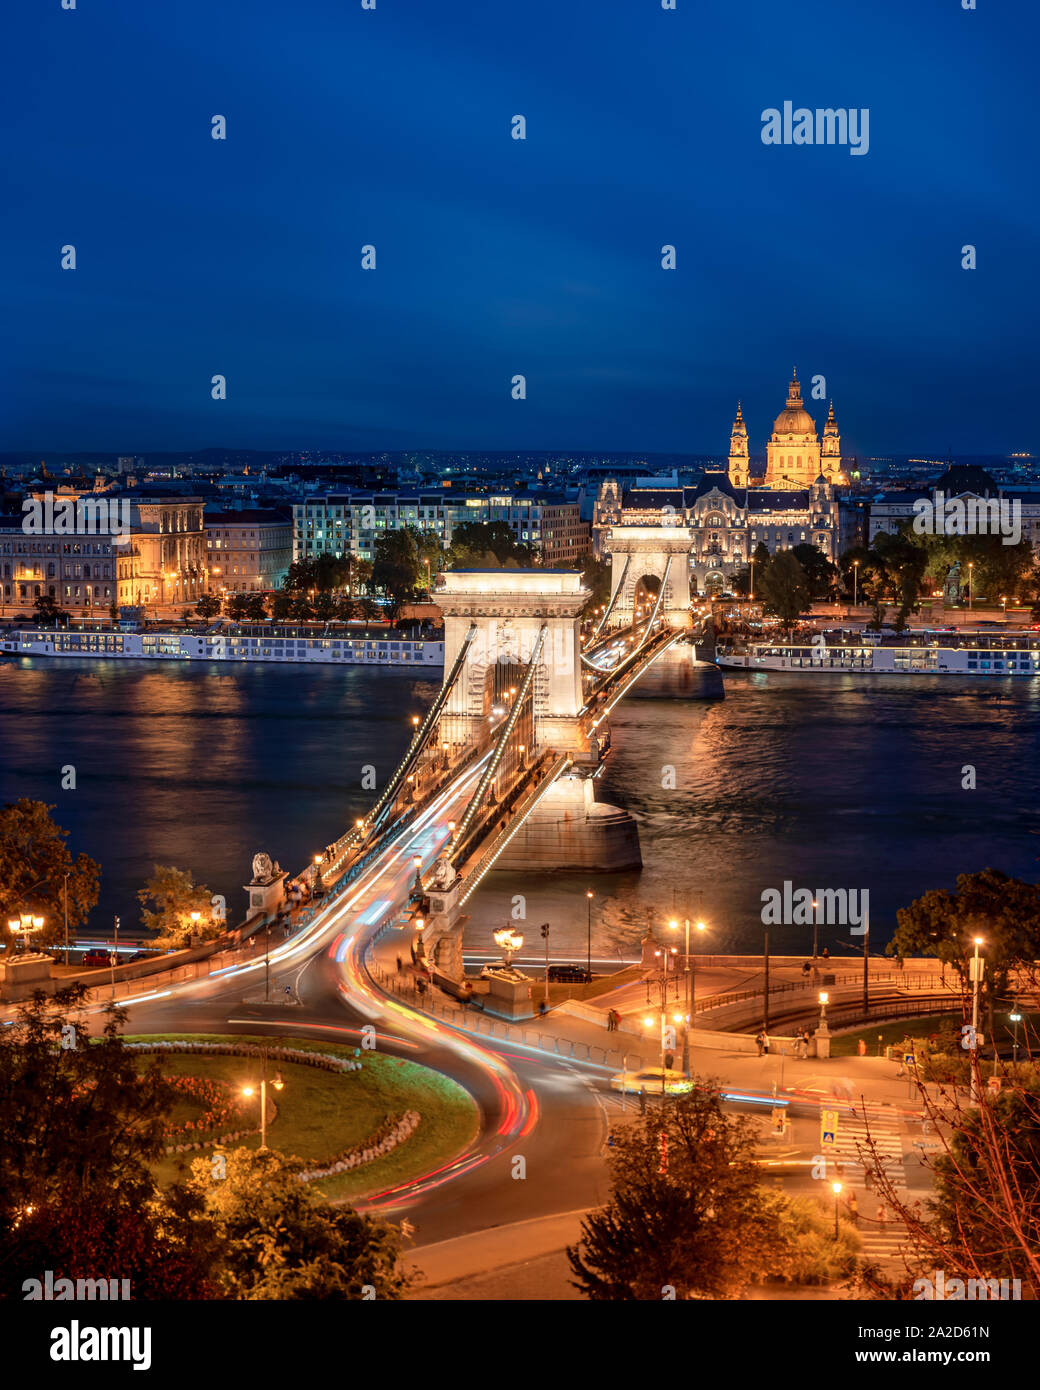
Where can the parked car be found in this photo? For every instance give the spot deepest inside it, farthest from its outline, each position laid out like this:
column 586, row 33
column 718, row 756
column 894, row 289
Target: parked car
column 569, row 975
column 143, row 955
column 95, row 958
column 649, row 1080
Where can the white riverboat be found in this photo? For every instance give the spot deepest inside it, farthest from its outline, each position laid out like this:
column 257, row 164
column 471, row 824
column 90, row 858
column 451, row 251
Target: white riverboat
column 927, row 653
column 263, row 643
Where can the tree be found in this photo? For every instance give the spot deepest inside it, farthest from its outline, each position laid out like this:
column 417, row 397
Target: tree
column 79, row 1126
column 256, row 608
column 48, row 611
column 487, row 545
column 208, row 607
column 686, row 1210
column 238, row 607
column 279, row 1240
column 905, row 564
column 34, row 862
column 597, row 577
column 820, row 574
column 174, row 896
column 302, row 610
column 281, row 606
column 326, row 607
column 862, row 574
column 395, row 568
column 1004, row 911
column 982, row 1222
column 783, row 588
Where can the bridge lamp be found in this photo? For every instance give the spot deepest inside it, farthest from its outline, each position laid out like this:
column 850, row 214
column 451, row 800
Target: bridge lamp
column 415, row 721
column 360, row 823
column 507, row 940
column 824, row 1000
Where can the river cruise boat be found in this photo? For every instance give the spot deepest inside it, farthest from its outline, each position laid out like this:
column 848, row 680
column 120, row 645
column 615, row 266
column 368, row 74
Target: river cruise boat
column 263, row 643
column 926, row 652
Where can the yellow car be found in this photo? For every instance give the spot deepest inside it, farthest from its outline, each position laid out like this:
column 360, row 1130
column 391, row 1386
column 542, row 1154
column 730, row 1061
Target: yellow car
column 649, row 1080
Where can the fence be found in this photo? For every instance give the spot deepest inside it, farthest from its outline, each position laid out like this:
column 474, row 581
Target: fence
column 472, row 1019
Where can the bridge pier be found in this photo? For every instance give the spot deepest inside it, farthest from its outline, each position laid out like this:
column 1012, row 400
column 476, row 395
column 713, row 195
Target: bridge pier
column 570, row 829
column 678, row 674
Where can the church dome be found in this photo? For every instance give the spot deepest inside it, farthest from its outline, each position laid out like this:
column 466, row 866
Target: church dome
column 794, row 418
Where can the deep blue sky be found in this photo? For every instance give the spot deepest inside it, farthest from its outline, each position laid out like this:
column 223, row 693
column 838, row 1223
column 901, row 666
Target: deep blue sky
column 495, row 256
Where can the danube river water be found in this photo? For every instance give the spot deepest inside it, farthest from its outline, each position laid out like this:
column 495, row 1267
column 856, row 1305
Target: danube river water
column 824, row 781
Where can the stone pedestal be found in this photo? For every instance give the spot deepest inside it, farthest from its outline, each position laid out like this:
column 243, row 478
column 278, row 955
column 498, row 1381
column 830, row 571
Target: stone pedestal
column 570, row 829
column 442, row 932
column 509, row 994
column 265, row 895
column 21, row 974
column 822, row 1040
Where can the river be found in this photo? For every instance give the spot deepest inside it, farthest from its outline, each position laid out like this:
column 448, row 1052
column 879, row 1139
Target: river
column 823, row 781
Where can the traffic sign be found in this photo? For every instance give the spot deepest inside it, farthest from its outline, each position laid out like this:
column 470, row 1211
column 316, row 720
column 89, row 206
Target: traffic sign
column 908, row 1059
column 828, row 1126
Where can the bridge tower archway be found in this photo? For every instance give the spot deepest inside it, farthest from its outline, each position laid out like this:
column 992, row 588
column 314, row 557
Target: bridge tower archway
column 658, row 554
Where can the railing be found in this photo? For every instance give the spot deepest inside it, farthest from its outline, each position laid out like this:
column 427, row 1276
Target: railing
column 472, row 1019
column 903, row 984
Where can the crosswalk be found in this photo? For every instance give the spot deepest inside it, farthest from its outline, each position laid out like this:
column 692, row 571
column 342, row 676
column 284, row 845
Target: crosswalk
column 853, row 1154
column 882, row 1239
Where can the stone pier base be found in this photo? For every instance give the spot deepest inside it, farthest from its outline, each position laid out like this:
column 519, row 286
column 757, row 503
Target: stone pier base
column 678, row 675
column 570, row 829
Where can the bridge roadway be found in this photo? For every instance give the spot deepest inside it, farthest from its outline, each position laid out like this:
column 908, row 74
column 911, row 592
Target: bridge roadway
column 544, row 1108
column 550, row 1110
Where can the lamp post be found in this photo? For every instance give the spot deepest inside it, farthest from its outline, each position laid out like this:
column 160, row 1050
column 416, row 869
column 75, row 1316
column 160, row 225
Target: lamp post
column 836, row 1188
column 971, row 567
column 765, row 993
column 66, row 920
column 855, row 583
column 544, row 929
column 588, row 955
column 277, row 1085
column 665, row 953
column 115, row 952
column 866, row 956
column 978, row 965
column 1016, row 1019
column 751, row 591
column 691, row 993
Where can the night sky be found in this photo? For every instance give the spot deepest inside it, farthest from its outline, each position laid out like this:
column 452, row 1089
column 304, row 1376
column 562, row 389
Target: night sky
column 497, row 256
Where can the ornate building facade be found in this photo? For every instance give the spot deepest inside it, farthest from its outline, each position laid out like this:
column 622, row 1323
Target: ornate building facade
column 795, row 455
column 732, row 512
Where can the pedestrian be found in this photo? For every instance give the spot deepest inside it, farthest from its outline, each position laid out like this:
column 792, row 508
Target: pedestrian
column 543, row 1008
column 882, row 1214
column 765, row 1043
column 610, row 1020
column 759, row 1041
column 853, row 1209
column 669, row 1061
column 868, row 1179
column 825, row 953
column 806, row 968
column 642, row 1100
column 400, row 965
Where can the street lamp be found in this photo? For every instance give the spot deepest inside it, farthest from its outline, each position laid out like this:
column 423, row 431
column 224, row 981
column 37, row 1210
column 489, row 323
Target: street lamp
column 971, row 567
column 588, row 960
column 66, row 919
column 855, row 583
column 836, row 1188
column 277, row 1084
column 978, row 965
column 691, row 993
column 1016, row 1019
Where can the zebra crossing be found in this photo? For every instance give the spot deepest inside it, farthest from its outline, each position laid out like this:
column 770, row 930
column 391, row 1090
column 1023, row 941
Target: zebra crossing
column 853, row 1155
column 882, row 1239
